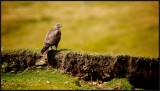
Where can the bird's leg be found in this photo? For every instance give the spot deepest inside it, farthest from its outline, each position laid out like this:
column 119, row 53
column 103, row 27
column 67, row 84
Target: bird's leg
column 56, row 47
column 51, row 48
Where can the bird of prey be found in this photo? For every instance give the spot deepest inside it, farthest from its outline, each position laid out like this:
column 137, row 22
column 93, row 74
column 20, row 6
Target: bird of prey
column 52, row 38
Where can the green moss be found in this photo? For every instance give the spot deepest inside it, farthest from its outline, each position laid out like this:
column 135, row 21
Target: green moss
column 121, row 83
column 55, row 80
column 41, row 80
column 21, row 50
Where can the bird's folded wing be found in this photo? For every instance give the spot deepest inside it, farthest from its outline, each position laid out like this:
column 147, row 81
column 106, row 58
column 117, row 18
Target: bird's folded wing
column 51, row 37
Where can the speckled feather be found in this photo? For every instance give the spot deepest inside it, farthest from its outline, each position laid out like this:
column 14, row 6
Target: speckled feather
column 52, row 38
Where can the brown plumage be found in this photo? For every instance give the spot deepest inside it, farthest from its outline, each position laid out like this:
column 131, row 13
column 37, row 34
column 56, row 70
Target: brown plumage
column 52, row 38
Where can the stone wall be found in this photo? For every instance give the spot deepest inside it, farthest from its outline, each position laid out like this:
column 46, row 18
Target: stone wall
column 142, row 72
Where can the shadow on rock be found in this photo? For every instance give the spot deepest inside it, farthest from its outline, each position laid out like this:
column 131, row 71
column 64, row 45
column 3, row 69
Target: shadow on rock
column 52, row 61
column 51, row 57
column 62, row 50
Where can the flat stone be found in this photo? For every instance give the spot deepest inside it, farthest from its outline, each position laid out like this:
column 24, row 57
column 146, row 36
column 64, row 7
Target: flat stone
column 40, row 62
column 39, row 67
column 13, row 70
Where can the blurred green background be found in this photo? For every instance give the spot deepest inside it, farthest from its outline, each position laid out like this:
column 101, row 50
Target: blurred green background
column 119, row 27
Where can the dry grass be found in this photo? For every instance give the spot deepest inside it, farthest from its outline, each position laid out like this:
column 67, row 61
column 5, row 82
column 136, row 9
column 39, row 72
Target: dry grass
column 118, row 27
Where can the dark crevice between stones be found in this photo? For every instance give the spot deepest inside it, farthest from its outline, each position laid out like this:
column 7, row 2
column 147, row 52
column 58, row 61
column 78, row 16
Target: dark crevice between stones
column 51, row 58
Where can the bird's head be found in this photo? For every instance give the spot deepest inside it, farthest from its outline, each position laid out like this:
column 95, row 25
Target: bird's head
column 58, row 25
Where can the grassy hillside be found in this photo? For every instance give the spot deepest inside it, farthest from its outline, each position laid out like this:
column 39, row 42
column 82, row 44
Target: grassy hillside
column 91, row 70
column 54, row 80
column 118, row 27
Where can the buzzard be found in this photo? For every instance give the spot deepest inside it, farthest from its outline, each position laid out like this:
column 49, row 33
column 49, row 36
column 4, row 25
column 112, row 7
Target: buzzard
column 52, row 38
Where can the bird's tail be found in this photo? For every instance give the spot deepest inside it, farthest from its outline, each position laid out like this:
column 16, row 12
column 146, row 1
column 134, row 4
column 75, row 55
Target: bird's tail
column 44, row 49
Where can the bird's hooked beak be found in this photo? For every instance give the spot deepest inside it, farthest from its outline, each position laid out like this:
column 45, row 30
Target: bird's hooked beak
column 58, row 25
